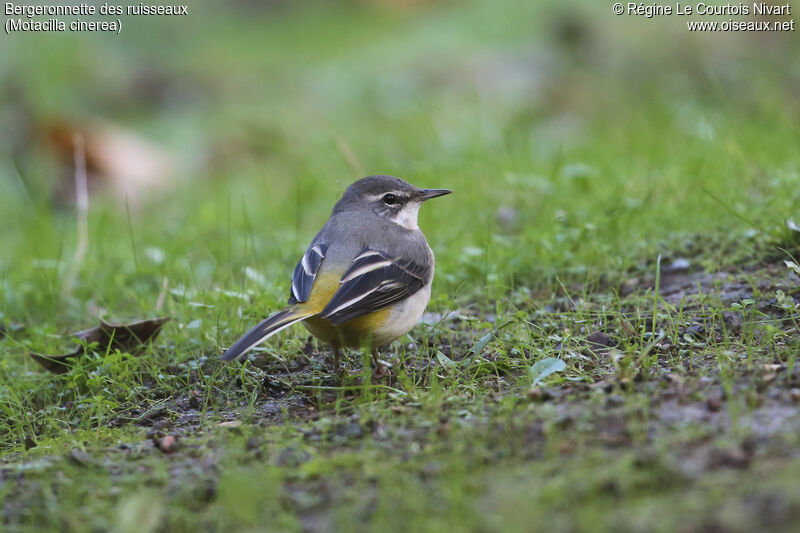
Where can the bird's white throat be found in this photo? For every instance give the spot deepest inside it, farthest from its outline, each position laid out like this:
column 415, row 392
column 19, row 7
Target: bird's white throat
column 407, row 217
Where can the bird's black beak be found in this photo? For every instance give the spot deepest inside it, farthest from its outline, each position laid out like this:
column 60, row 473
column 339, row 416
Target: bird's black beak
column 427, row 194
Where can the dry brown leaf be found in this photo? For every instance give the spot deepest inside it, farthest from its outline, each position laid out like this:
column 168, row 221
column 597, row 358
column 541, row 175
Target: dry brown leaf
column 125, row 163
column 123, row 337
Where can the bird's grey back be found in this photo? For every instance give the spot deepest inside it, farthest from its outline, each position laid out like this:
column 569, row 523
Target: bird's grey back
column 367, row 230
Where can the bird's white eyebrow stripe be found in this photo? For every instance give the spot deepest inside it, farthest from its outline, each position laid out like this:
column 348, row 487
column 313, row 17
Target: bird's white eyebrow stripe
column 398, row 193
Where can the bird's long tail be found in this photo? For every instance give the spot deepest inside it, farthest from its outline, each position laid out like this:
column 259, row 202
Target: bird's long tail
column 265, row 329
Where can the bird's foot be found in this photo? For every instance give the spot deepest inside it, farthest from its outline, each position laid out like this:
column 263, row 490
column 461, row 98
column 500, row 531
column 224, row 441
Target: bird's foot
column 381, row 373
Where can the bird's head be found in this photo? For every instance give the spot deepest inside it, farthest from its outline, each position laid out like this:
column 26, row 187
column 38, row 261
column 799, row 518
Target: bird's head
column 387, row 197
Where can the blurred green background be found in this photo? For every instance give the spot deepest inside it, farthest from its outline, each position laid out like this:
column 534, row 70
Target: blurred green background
column 578, row 142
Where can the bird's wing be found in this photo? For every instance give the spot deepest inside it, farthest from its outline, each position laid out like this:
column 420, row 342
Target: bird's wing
column 373, row 281
column 306, row 272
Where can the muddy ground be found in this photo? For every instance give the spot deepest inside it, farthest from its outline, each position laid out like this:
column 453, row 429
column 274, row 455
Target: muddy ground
column 703, row 403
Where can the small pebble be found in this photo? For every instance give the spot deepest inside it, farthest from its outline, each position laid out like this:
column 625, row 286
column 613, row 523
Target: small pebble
column 253, row 443
column 79, row 457
column 769, row 377
column 167, row 444
column 714, row 403
column 615, row 400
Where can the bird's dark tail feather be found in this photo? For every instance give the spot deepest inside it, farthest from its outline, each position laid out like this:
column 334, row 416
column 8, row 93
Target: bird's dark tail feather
column 265, row 329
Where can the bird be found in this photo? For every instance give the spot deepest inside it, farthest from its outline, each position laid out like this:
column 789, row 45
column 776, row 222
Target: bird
column 365, row 279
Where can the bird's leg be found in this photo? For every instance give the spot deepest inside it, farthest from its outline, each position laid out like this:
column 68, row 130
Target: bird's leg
column 337, row 361
column 380, row 371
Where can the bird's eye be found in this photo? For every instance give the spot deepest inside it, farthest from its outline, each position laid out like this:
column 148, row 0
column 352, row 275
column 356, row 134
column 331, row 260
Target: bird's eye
column 389, row 199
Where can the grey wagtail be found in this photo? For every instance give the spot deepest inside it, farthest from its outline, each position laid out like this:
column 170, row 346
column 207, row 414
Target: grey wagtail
column 366, row 277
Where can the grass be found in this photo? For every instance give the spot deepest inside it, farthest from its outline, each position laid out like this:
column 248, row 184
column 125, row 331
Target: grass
column 581, row 148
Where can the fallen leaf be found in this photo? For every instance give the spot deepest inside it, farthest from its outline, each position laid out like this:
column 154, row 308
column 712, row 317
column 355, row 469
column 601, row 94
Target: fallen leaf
column 444, row 361
column 478, row 347
column 482, row 342
column 123, row 337
column 545, row 367
column 230, row 424
column 122, row 161
column 57, row 364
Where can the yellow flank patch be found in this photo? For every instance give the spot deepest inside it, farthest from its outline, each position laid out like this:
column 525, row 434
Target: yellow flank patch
column 353, row 333
column 325, row 286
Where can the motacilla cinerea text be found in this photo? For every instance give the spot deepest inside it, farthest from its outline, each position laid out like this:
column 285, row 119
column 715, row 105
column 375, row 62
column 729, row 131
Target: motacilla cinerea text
column 366, row 277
